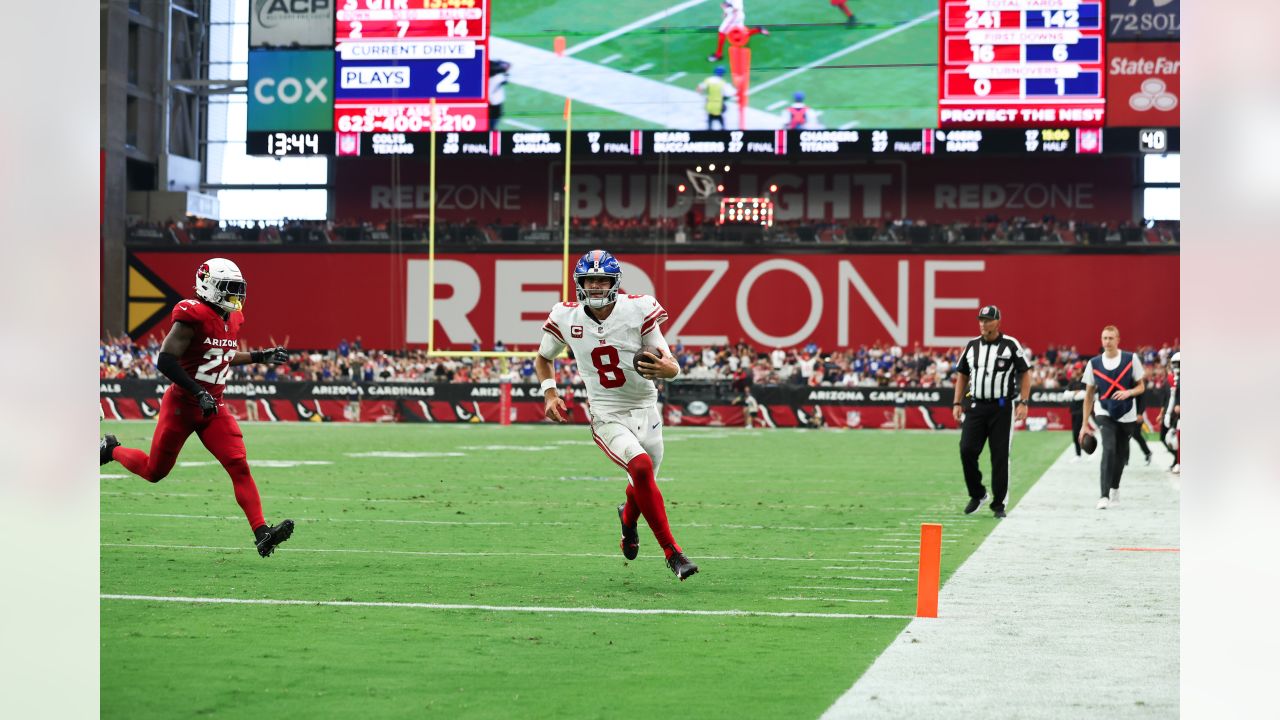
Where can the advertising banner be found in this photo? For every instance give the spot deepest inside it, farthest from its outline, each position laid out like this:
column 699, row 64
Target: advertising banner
column 1145, row 84
column 521, row 189
column 291, row 23
column 768, row 300
column 696, row 404
column 1144, row 19
column 290, row 90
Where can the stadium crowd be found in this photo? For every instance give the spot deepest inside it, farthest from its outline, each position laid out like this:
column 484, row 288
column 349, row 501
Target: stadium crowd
column 876, row 365
column 988, row 230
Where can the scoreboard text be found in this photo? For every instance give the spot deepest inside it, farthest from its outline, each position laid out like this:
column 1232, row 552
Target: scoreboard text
column 1021, row 63
column 393, row 58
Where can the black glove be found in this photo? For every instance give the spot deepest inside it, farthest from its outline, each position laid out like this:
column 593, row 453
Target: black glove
column 208, row 406
column 274, row 356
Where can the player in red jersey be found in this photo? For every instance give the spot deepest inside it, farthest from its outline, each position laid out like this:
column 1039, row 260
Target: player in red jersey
column 849, row 20
column 197, row 356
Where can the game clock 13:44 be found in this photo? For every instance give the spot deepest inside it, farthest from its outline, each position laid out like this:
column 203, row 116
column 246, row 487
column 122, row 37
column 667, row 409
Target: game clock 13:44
column 296, row 143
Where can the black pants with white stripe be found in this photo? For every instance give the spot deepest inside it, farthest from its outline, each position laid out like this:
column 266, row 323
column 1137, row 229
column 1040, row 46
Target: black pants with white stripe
column 990, row 424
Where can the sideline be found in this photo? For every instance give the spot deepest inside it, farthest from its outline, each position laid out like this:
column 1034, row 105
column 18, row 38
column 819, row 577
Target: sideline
column 1046, row 619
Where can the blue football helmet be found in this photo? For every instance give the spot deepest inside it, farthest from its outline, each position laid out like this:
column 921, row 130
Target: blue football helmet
column 597, row 263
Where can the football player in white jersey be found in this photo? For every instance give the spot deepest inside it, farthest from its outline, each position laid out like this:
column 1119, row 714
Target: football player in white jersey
column 605, row 330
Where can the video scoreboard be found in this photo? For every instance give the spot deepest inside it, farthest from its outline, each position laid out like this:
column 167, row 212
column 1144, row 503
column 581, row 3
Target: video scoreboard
column 1014, row 77
column 757, row 144
column 394, row 57
column 1020, row 63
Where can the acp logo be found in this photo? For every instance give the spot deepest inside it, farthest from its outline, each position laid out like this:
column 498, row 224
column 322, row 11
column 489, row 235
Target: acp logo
column 289, row 90
column 270, row 13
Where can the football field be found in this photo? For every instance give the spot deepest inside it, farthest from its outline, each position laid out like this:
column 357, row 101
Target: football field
column 638, row 64
column 473, row 571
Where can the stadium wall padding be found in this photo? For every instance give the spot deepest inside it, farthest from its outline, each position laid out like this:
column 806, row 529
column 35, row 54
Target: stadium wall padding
column 313, row 300
column 691, row 403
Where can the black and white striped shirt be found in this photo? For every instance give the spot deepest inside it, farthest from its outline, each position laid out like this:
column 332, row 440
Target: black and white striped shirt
column 993, row 367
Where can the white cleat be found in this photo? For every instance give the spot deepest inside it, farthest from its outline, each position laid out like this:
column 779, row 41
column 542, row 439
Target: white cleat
column 1103, row 503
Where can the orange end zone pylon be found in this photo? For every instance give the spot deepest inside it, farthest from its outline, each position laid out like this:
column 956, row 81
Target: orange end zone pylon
column 930, row 570
column 740, row 70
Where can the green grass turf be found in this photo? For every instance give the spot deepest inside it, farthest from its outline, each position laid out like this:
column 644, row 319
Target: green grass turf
column 544, row 111
column 735, row 498
column 890, row 83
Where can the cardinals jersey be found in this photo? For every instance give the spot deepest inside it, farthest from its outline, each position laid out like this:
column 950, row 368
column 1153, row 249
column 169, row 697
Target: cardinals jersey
column 208, row 358
column 606, row 351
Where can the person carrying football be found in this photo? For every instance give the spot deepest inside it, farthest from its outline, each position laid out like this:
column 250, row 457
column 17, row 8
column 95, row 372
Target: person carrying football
column 606, row 330
column 197, row 355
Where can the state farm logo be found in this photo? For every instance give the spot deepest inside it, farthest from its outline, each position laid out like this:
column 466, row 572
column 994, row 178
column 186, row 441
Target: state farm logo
column 1153, row 94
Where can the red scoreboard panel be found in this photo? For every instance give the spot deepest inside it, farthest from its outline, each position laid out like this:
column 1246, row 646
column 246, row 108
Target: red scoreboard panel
column 1021, row 63
column 392, row 19
column 394, row 57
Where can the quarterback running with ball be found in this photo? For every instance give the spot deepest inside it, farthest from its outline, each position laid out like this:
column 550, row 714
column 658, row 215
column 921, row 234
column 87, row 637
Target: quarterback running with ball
column 605, row 330
column 197, row 355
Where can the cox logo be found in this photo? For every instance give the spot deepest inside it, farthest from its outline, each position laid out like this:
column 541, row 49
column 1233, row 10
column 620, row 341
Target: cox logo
column 290, row 90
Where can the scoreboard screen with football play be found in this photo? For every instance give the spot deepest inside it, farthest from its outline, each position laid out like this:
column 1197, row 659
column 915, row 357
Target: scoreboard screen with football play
column 1013, row 77
column 1021, row 63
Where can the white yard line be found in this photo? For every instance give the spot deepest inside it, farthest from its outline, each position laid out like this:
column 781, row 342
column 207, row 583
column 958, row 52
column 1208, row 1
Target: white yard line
column 647, row 20
column 611, row 58
column 860, row 568
column 641, row 68
column 859, row 577
column 823, row 599
column 1046, row 620
column 775, row 106
column 674, row 76
column 850, row 528
column 497, row 608
column 837, row 587
column 342, row 520
column 294, row 548
column 850, row 124
column 412, row 521
column 845, row 51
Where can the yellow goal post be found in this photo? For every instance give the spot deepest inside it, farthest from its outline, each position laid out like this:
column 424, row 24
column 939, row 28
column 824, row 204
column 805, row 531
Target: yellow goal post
column 431, row 245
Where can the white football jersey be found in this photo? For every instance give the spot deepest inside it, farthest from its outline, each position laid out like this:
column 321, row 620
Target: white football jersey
column 734, row 16
column 606, row 351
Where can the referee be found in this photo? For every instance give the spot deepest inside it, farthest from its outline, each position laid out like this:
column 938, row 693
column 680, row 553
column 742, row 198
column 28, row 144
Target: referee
column 985, row 377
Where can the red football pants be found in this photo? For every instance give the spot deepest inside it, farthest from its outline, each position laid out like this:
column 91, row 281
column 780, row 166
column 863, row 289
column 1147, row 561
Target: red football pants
column 220, row 433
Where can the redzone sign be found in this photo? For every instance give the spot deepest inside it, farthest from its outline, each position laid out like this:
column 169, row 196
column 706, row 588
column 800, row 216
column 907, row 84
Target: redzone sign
column 517, row 191
column 766, row 300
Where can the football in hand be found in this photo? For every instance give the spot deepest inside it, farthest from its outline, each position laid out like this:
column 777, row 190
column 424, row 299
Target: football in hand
column 648, row 353
column 1090, row 443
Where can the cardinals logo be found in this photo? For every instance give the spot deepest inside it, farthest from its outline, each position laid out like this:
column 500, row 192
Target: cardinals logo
column 702, row 184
